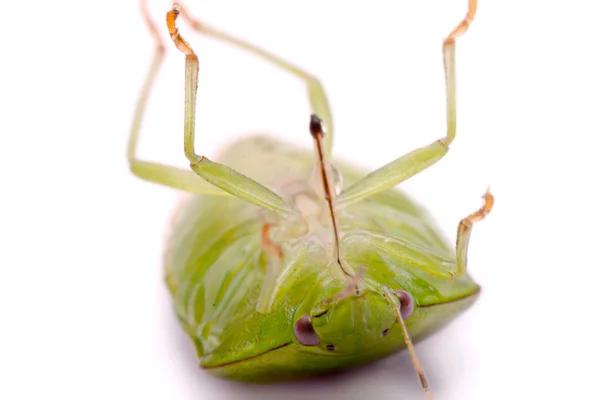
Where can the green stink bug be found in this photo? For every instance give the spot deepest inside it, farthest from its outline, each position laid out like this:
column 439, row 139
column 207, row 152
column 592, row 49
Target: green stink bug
column 283, row 271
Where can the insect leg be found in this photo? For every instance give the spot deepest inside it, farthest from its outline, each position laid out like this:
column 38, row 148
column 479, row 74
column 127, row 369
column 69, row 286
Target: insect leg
column 464, row 232
column 167, row 175
column 274, row 257
column 217, row 174
column 316, row 93
column 417, row 160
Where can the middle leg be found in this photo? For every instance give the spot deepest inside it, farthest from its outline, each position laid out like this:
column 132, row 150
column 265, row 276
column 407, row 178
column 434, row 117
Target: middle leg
column 416, row 161
column 215, row 173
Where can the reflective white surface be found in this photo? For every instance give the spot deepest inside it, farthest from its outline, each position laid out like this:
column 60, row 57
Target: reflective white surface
column 84, row 313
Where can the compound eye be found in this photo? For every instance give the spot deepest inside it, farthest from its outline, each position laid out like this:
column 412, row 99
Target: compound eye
column 304, row 332
column 407, row 303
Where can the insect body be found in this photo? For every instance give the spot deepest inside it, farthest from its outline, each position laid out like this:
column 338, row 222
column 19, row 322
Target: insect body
column 285, row 264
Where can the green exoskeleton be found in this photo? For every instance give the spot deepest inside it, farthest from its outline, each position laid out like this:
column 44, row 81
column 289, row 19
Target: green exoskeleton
column 277, row 269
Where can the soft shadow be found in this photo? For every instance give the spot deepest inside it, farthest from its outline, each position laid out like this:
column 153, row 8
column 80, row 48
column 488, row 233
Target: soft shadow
column 392, row 377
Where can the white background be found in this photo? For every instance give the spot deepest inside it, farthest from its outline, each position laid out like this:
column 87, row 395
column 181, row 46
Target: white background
column 84, row 313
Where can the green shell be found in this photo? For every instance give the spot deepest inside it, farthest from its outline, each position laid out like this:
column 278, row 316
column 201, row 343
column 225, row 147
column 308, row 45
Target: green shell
column 216, row 269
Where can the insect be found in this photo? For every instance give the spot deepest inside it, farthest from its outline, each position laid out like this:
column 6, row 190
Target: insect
column 279, row 268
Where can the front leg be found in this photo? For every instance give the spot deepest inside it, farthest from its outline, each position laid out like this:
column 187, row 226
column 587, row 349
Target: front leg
column 464, row 233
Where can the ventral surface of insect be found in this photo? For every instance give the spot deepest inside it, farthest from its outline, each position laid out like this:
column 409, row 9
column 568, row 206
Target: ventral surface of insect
column 285, row 264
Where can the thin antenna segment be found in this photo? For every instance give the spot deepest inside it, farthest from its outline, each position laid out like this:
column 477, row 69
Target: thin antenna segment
column 413, row 355
column 396, row 303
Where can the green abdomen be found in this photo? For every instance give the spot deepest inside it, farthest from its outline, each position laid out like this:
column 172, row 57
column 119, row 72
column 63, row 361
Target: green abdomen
column 215, row 267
